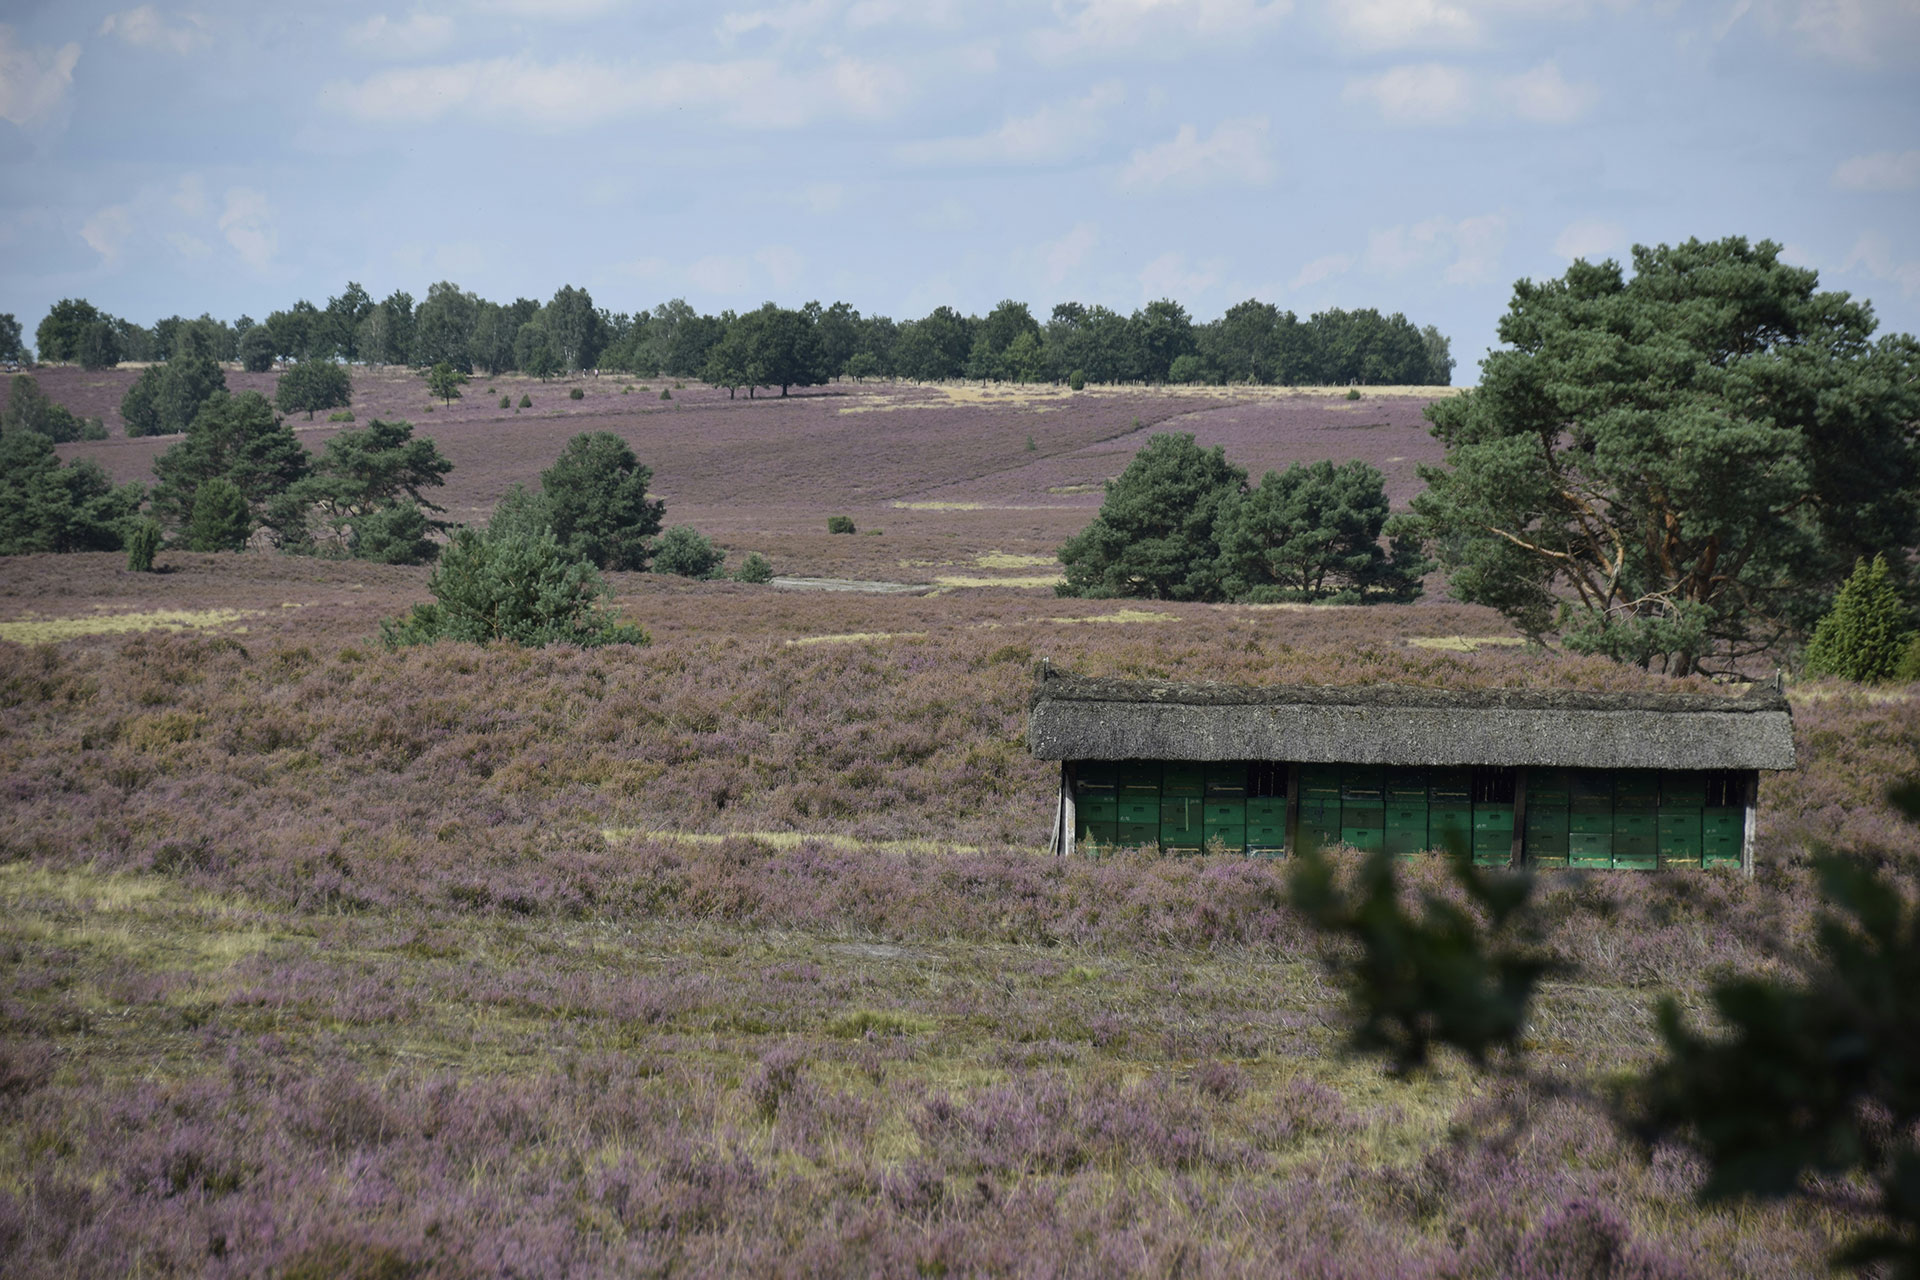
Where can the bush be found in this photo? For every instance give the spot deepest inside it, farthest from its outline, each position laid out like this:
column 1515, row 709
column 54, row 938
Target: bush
column 576, row 394
column 1867, row 632
column 92, row 429
column 345, row 415
column 506, row 402
column 1353, row 393
column 511, row 587
column 143, row 542
column 221, row 520
column 840, row 524
column 665, row 394
column 1031, row 446
column 393, row 534
column 526, row 401
column 685, row 551
column 1076, row 381
column 47, row 507
column 1909, row 668
column 755, row 568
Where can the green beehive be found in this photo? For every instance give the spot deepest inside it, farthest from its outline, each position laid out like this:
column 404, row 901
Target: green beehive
column 1096, row 809
column 1635, row 791
column 1493, row 834
column 1590, row 850
column 1589, row 791
column 1365, row 839
column 1139, row 808
column 1140, row 776
column 1223, row 812
column 1450, row 828
column 1138, row 835
column 1405, row 836
column 1181, row 821
column 1683, row 789
column 1088, row 831
column 1549, row 788
column 1231, row 836
column 1094, row 778
column 1406, row 786
column 1363, row 812
column 1182, row 778
column 1549, row 797
column 1227, row 780
column 1320, row 781
column 1270, row 810
column 1723, row 834
column 1449, row 788
column 1267, row 839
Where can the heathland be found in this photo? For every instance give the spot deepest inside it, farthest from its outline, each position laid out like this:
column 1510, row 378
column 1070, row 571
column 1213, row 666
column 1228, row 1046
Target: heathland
column 740, row 950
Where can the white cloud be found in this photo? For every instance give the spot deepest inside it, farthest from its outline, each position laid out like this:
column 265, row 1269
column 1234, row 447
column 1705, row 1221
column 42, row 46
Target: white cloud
column 1473, row 245
column 751, row 93
column 190, row 196
column 1169, row 276
column 1394, row 24
column 410, row 37
column 247, row 223
column 782, row 264
column 1057, row 131
column 1873, row 254
column 1544, row 96
column 1101, row 26
column 33, row 82
column 108, row 231
column 1428, row 93
column 822, row 197
column 1324, row 268
column 1477, row 243
column 1235, row 153
column 1592, row 239
column 1864, row 32
column 721, row 273
column 1061, row 257
column 1433, row 93
column 1881, row 171
column 147, row 28
column 188, row 246
column 550, row 10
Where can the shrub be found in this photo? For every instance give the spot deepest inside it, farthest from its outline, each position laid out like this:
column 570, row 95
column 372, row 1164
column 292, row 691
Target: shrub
column 1909, row 668
column 685, row 551
column 508, row 586
column 1353, row 393
column 393, row 534
column 1076, row 381
column 92, row 429
column 344, row 415
column 1031, row 446
column 142, row 543
column 47, row 507
column 755, row 568
column 665, row 394
column 444, row 380
column 526, row 401
column 576, row 394
column 221, row 520
column 840, row 524
column 1868, row 630
column 506, row 402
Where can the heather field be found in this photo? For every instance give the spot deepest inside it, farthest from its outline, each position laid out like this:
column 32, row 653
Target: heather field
column 739, row 951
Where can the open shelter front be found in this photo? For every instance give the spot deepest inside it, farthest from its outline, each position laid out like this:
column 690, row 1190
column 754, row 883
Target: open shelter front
column 1549, row 778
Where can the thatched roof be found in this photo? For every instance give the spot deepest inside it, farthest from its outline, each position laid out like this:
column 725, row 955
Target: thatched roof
column 1086, row 719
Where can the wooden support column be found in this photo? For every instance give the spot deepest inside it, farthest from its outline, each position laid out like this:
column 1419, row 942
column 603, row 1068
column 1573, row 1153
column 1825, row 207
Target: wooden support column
column 1069, row 818
column 1750, row 794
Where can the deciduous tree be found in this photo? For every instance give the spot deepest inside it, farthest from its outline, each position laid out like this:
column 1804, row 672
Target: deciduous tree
column 311, row 385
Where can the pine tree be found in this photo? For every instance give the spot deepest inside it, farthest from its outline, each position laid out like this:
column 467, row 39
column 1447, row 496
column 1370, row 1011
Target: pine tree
column 1868, row 629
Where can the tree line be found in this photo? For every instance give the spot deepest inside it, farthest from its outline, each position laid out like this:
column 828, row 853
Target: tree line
column 773, row 346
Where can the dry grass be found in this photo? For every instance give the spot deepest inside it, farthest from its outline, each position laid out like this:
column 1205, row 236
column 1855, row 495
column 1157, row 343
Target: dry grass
column 51, row 630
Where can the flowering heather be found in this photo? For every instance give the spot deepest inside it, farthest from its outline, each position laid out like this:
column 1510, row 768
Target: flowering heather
column 737, row 952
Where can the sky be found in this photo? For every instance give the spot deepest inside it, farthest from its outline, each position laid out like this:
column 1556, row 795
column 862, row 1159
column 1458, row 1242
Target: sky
column 1418, row 156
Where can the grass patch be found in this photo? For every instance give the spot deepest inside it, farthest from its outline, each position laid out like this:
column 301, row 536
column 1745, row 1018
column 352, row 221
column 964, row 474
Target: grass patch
column 859, row 637
column 50, row 630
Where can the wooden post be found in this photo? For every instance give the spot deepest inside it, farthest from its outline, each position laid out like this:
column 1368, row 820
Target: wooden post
column 1293, row 806
column 1750, row 794
column 1069, row 818
column 1518, row 850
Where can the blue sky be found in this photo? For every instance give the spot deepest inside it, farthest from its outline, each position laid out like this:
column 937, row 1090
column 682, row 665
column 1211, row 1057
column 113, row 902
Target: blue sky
column 1411, row 155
